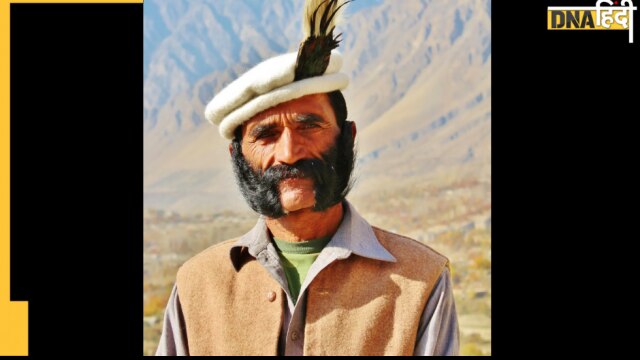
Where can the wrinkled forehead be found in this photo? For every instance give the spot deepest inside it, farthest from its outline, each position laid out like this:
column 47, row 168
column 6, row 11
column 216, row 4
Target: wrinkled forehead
column 317, row 105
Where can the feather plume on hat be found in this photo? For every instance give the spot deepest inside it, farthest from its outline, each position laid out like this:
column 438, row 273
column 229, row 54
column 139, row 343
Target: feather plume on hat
column 314, row 69
column 320, row 19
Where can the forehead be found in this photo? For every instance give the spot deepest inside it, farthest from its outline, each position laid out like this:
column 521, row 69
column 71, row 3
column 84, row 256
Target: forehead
column 317, row 104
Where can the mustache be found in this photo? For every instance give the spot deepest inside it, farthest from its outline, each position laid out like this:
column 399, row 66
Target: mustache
column 331, row 176
column 315, row 169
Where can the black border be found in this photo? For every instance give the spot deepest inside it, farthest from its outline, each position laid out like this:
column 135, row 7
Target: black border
column 76, row 175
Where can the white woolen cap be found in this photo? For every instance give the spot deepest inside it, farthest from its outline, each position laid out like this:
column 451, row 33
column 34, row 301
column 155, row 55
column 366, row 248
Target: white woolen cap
column 267, row 85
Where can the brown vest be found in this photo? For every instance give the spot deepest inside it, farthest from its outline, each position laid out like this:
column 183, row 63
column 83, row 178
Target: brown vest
column 356, row 306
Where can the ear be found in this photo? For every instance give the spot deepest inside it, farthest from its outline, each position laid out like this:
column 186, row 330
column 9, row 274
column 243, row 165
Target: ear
column 230, row 149
column 353, row 130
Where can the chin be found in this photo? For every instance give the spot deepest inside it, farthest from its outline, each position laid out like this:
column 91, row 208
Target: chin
column 297, row 194
column 295, row 200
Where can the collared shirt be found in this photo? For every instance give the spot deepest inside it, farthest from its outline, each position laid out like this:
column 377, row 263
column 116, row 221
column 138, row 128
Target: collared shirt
column 296, row 259
column 438, row 331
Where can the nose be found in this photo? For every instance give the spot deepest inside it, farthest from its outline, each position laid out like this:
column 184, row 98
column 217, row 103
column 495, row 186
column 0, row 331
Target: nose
column 288, row 148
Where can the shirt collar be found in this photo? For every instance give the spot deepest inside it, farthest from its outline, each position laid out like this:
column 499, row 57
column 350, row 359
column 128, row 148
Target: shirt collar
column 354, row 235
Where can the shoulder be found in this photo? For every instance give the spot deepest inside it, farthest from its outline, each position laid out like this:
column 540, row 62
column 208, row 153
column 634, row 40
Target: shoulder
column 214, row 257
column 410, row 251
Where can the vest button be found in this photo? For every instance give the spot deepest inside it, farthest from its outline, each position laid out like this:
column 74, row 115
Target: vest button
column 271, row 296
column 294, row 335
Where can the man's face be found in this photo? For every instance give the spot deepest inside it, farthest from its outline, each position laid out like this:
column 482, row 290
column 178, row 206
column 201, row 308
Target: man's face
column 303, row 128
column 297, row 157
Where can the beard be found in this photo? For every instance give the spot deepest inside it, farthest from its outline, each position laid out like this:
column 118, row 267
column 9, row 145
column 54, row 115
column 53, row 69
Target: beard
column 331, row 176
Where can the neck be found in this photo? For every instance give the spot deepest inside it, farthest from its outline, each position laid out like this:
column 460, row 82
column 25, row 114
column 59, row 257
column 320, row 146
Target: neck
column 305, row 224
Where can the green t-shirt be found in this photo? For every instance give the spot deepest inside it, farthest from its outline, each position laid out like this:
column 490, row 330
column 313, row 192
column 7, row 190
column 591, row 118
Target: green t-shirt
column 297, row 259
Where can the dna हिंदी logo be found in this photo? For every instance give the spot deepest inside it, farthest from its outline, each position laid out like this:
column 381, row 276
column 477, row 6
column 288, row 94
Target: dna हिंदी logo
column 616, row 15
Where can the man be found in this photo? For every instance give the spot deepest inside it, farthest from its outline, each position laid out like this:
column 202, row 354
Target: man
column 312, row 277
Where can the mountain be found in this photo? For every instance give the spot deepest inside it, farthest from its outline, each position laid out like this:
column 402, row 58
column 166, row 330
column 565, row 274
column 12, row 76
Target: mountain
column 420, row 94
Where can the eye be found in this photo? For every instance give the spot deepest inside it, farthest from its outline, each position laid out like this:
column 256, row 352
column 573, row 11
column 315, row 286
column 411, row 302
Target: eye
column 309, row 125
column 265, row 134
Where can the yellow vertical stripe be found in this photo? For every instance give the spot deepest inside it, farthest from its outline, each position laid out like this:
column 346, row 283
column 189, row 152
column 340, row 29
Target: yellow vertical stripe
column 13, row 315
